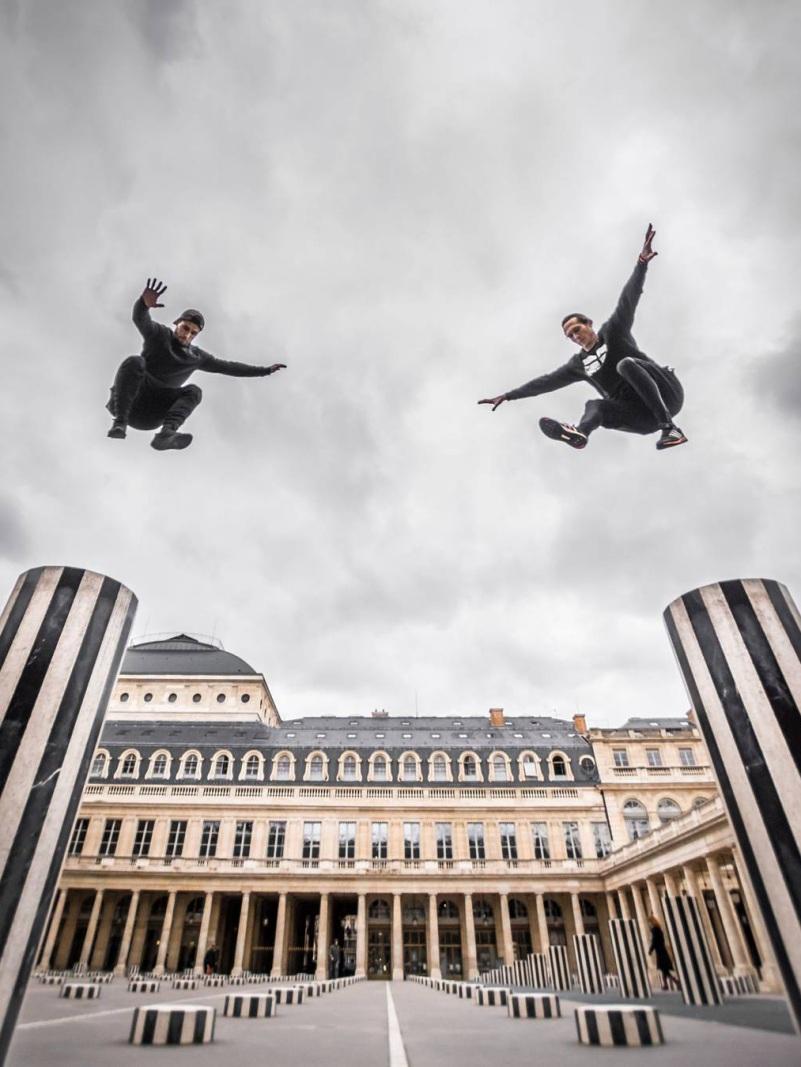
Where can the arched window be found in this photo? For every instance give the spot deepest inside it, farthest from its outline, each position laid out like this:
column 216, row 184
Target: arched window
column 283, row 767
column 552, row 907
column 667, row 809
column 499, row 767
column 409, row 764
column 379, row 767
column 439, row 767
column 517, row 909
column 588, row 909
column 636, row 819
column 221, row 767
column 379, row 910
column 529, row 767
column 316, row 767
column 469, row 767
column 559, row 766
column 699, row 802
column 129, row 765
column 159, row 765
column 587, row 764
column 99, row 765
column 447, row 910
column 350, row 767
column 190, row 765
column 253, row 765
column 482, row 911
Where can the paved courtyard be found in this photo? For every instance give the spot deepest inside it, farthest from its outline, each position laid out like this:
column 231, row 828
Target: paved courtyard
column 398, row 1024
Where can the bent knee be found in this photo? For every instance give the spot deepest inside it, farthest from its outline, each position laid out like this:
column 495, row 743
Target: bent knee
column 627, row 365
column 193, row 393
column 134, row 363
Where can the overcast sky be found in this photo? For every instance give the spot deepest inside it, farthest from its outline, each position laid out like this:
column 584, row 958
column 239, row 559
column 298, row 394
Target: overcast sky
column 401, row 200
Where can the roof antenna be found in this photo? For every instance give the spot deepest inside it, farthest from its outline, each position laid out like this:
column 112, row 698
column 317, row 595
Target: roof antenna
column 415, row 703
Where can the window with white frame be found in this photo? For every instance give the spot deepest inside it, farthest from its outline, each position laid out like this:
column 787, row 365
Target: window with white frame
column 411, row 840
column 282, row 767
column 653, row 757
column 620, row 757
column 78, row 837
column 311, row 840
column 221, row 768
column 500, row 768
column 158, row 768
column 111, row 837
column 347, row 840
column 315, row 767
column 190, row 766
column 572, row 840
column 143, row 837
column 508, row 832
column 380, row 840
column 349, row 767
column 558, row 766
column 276, row 838
column 129, row 764
column 380, row 768
column 636, row 819
column 444, row 837
column 409, row 768
column 469, row 767
column 529, row 766
column 243, row 835
column 475, row 841
column 687, row 757
column 176, row 838
column 99, row 765
column 540, row 842
column 439, row 768
column 601, row 839
column 253, row 766
column 209, row 838
column 667, row 809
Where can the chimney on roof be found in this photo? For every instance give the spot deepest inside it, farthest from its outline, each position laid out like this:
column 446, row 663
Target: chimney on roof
column 580, row 724
column 497, row 717
column 380, row 714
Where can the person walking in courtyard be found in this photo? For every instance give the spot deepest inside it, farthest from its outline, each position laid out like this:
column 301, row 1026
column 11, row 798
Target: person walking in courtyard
column 664, row 964
column 211, row 959
column 637, row 394
column 149, row 390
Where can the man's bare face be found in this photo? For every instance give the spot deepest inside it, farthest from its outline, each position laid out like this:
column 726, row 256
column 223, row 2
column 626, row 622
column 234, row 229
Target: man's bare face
column 580, row 333
column 186, row 332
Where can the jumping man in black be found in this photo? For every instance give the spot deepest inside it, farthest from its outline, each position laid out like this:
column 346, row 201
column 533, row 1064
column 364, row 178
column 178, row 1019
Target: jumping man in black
column 149, row 389
column 637, row 394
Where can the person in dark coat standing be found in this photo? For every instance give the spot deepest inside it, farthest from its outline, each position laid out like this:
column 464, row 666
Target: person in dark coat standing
column 211, row 959
column 664, row 964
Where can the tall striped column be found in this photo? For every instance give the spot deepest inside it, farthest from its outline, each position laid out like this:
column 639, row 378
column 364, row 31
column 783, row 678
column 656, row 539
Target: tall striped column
column 62, row 636
column 699, row 983
column 738, row 646
column 541, row 974
column 588, row 957
column 630, row 960
column 560, row 968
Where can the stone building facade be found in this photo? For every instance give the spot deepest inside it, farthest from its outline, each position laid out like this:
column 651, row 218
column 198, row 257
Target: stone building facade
column 378, row 845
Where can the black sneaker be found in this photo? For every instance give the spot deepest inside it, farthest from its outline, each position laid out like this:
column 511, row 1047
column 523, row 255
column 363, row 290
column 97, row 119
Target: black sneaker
column 118, row 430
column 671, row 436
column 563, row 431
column 166, row 439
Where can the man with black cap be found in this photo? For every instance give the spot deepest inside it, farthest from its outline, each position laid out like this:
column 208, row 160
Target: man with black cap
column 149, row 389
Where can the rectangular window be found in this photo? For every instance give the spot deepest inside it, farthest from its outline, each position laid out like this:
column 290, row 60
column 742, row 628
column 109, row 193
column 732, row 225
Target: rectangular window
column 687, row 757
column 444, row 840
column 347, row 840
column 379, row 840
column 311, row 840
column 209, row 838
column 475, row 840
column 411, row 840
column 111, row 835
column 572, row 840
column 621, row 757
column 654, row 757
column 276, row 836
column 601, row 839
column 176, row 838
column 243, row 835
column 78, row 837
column 539, row 837
column 143, row 837
column 508, row 840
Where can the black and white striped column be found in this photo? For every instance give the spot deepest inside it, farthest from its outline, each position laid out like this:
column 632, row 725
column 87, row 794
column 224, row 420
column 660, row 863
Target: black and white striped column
column 738, row 645
column 694, row 966
column 590, row 966
column 560, row 968
column 630, row 960
column 540, row 970
column 62, row 636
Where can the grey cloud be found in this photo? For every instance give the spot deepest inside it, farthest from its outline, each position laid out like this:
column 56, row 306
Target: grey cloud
column 777, row 375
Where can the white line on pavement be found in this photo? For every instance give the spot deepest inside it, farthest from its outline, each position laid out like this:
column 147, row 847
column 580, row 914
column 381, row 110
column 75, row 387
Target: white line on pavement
column 397, row 1053
column 88, row 1016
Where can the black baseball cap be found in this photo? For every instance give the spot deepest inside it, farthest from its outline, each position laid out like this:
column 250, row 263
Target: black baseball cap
column 191, row 315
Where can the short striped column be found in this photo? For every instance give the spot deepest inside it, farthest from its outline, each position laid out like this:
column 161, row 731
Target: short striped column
column 612, row 981
column 184, row 983
column 737, row 985
column 590, row 966
column 104, row 977
column 311, row 989
column 540, row 970
column 560, row 969
column 80, row 990
column 214, row 980
column 250, row 1005
column 533, row 1006
column 51, row 979
column 619, row 1024
column 172, row 1024
column 632, row 969
column 491, row 997
column 738, row 646
column 144, row 985
column 237, row 979
column 288, row 995
column 699, row 983
column 62, row 636
column 466, row 991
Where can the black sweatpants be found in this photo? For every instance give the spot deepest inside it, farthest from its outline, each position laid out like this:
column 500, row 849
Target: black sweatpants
column 658, row 396
column 146, row 405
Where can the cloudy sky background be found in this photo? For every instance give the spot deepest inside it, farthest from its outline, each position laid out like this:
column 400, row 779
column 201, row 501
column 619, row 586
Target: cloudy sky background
column 401, row 200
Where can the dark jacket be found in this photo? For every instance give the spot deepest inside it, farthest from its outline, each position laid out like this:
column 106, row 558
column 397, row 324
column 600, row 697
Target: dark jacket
column 169, row 363
column 659, row 948
column 614, row 335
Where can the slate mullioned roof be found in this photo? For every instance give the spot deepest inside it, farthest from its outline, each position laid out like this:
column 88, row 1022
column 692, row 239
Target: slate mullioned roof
column 183, row 655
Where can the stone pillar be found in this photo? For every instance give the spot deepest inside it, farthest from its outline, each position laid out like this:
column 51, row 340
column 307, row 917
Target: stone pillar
column 738, row 646
column 203, row 933
column 506, row 930
column 91, row 929
column 47, row 953
column 361, row 936
column 166, row 929
column 578, row 918
column 127, row 934
column 771, row 982
column 611, row 906
column 279, row 945
column 694, row 890
column 654, row 905
column 671, row 887
column 469, row 951
column 625, row 910
column 323, row 935
column 434, row 969
column 241, row 933
column 62, row 636
column 542, row 923
column 397, row 937
column 731, row 924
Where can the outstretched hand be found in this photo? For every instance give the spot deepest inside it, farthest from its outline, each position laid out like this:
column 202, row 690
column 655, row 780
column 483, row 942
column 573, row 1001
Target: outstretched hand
column 496, row 401
column 151, row 293
column 648, row 253
column 276, row 366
